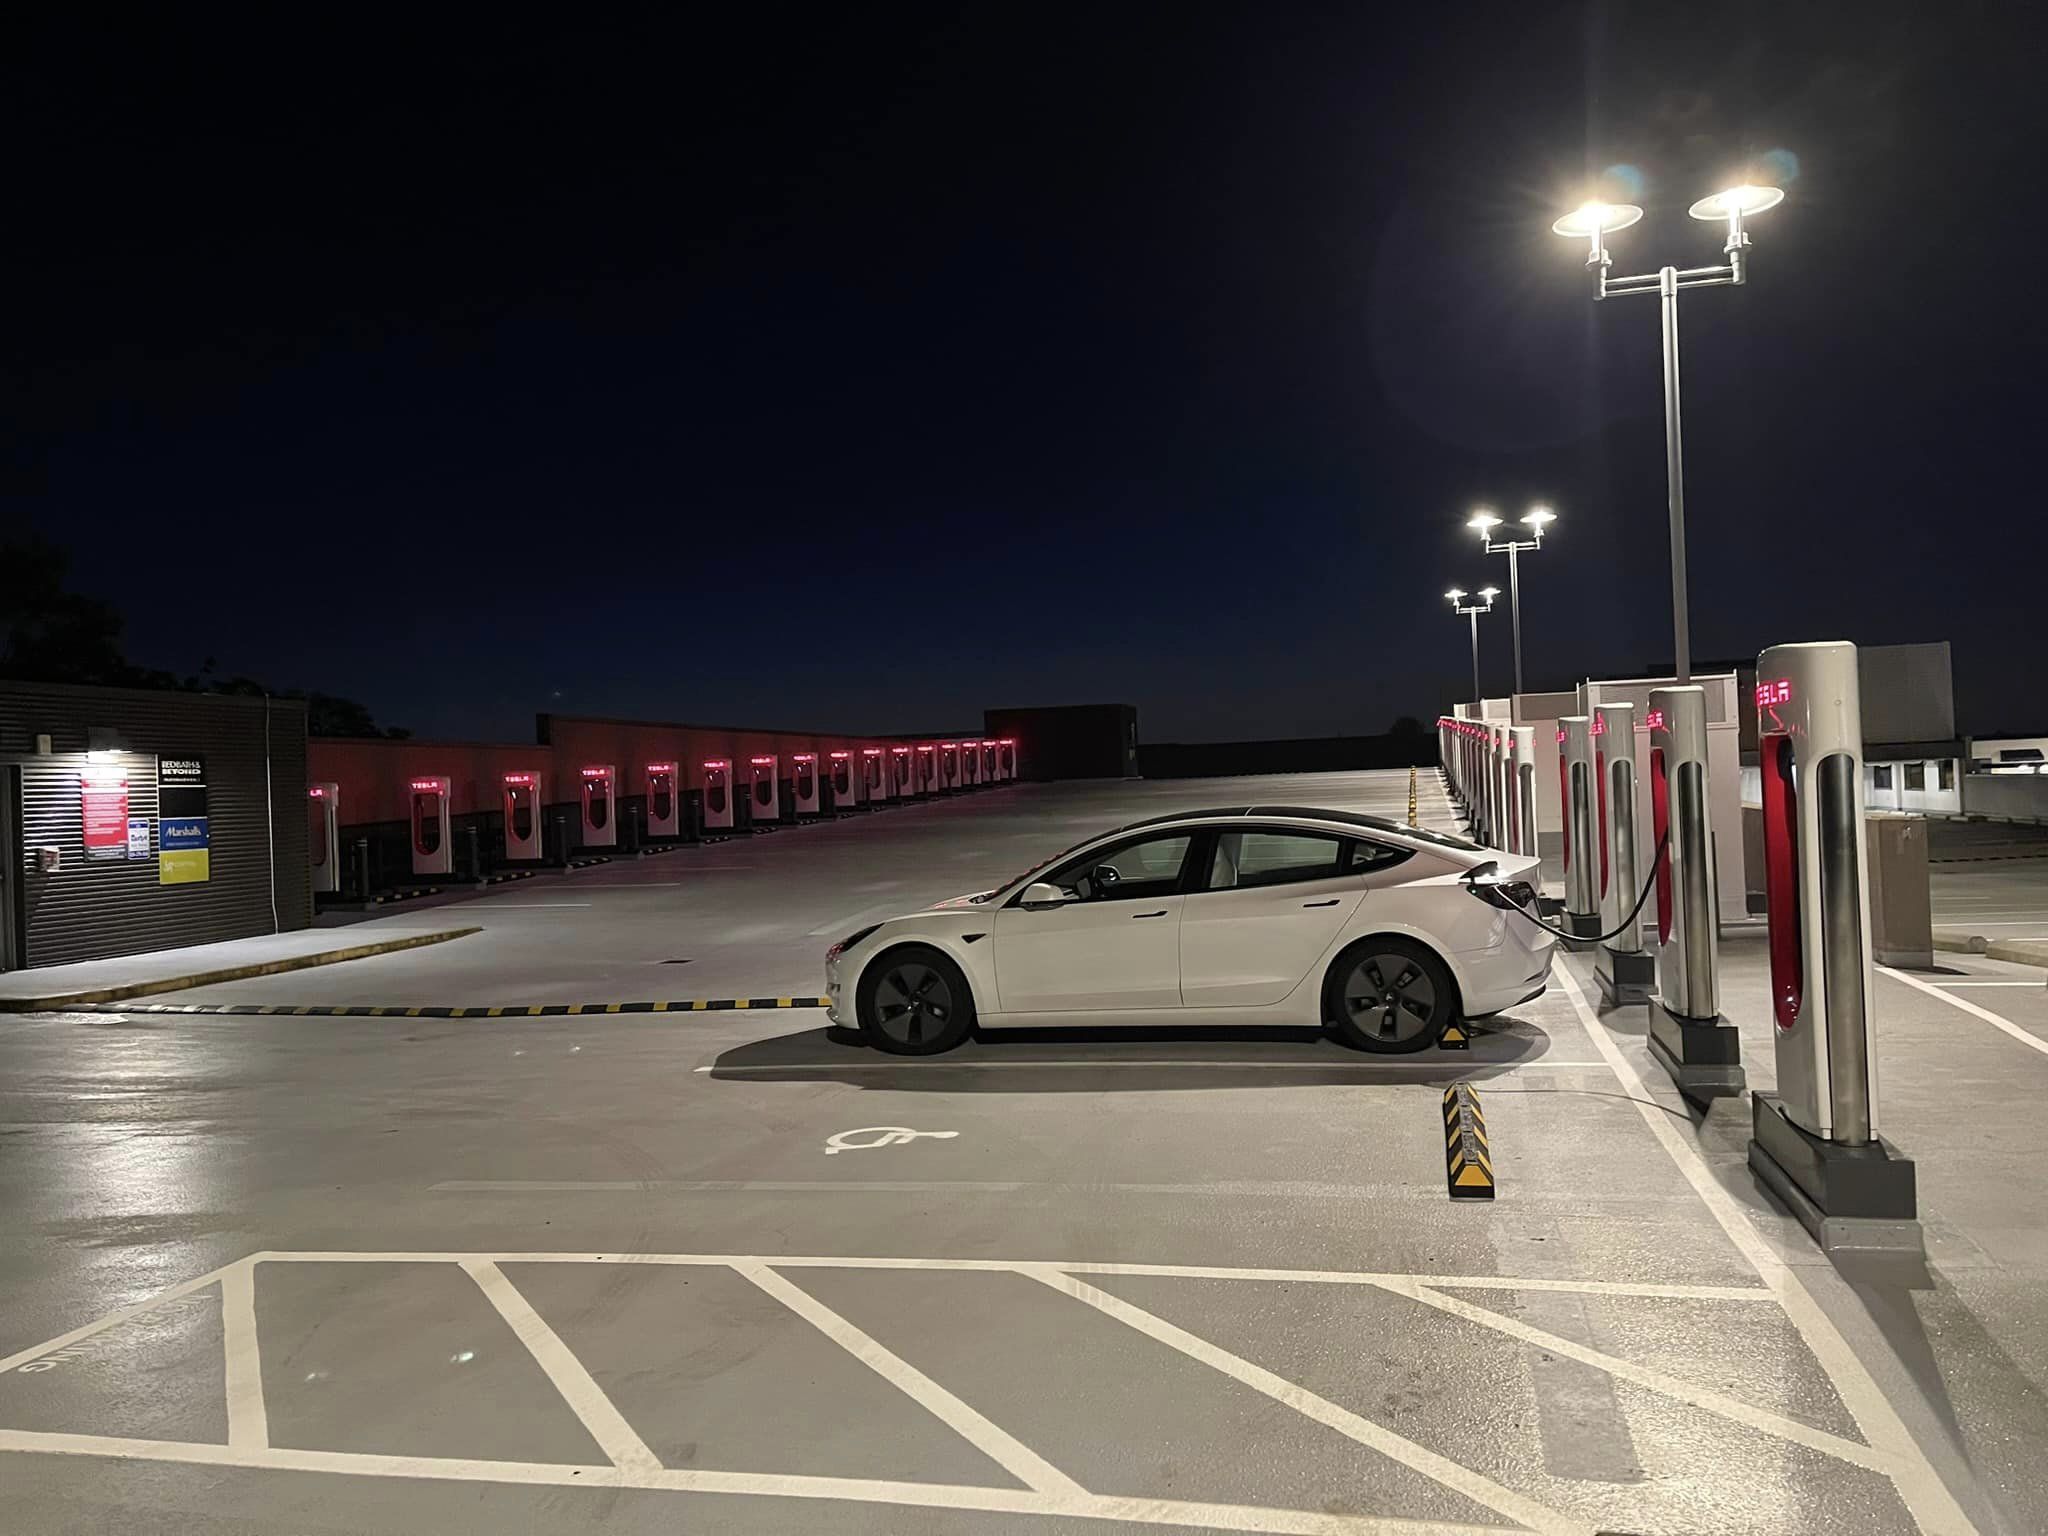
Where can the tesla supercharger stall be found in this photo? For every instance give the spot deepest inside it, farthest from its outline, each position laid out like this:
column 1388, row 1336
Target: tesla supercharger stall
column 842, row 780
column 764, row 792
column 804, row 788
column 664, row 800
column 1500, row 781
column 1498, row 764
column 925, row 771
column 1625, row 970
column 1815, row 1142
column 433, row 845
column 1489, row 784
column 718, row 794
column 1522, row 777
column 886, row 774
column 1688, row 1037
column 988, row 762
column 519, row 794
column 970, row 765
column 949, row 765
column 1577, row 787
column 1006, row 760
column 323, row 806
column 600, row 806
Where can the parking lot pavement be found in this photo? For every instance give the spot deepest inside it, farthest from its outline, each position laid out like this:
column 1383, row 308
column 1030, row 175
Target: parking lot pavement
column 633, row 1272
column 752, row 917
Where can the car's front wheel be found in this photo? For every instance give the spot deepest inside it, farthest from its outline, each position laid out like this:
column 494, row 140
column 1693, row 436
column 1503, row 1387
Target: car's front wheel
column 914, row 1001
column 1390, row 995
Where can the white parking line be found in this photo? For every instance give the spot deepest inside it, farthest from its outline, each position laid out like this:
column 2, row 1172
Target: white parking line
column 248, row 1420
column 993, row 1441
column 1655, row 1380
column 2034, row 1042
column 1476, row 1486
column 114, row 1319
column 1927, row 1498
column 607, row 1426
column 946, row 1496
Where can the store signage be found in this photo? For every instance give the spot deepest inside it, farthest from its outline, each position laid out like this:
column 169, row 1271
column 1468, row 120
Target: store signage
column 183, row 839
column 103, row 806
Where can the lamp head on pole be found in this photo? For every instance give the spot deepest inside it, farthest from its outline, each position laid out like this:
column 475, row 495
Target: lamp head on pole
column 1489, row 593
column 1536, row 519
column 1732, row 206
column 1483, row 522
column 1455, row 593
column 1594, row 222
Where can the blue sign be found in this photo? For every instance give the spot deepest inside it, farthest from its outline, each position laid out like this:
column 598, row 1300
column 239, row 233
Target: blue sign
column 179, row 833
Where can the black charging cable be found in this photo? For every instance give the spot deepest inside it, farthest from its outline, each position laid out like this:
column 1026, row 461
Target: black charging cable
column 1663, row 848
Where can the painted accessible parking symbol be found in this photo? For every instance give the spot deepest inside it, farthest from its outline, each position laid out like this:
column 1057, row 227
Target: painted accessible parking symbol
column 879, row 1136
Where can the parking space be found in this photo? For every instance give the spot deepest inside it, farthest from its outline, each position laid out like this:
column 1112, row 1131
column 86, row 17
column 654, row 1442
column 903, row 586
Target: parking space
column 635, row 1271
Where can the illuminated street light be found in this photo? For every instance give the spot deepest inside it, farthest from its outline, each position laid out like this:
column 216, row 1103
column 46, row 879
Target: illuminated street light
column 1472, row 611
column 1593, row 222
column 1483, row 522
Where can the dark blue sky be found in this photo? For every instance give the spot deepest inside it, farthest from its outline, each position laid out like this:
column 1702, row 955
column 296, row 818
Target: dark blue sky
column 867, row 367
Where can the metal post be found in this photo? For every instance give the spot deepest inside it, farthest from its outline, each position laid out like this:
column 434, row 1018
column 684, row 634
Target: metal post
column 1515, row 605
column 1674, row 473
column 1473, row 615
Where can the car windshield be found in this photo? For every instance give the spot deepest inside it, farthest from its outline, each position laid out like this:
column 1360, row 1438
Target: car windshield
column 1044, row 864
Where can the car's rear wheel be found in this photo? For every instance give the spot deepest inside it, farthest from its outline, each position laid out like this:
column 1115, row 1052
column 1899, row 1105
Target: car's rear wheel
column 914, row 1001
column 1389, row 995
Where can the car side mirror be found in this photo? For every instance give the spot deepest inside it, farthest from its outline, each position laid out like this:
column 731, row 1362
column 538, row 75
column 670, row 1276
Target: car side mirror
column 1042, row 893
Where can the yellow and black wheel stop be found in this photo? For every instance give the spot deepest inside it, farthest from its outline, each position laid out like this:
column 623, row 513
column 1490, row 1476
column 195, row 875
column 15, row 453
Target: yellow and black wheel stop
column 1468, row 1164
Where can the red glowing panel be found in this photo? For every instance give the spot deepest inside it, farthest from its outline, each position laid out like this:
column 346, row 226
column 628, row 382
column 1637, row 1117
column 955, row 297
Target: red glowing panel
column 1654, row 720
column 1599, row 725
column 317, row 792
column 1008, row 741
column 899, row 751
column 661, row 767
column 1560, row 736
column 597, row 773
column 837, row 756
column 1779, row 692
column 429, row 786
column 518, row 778
column 719, row 766
column 762, row 762
column 949, row 746
column 804, row 757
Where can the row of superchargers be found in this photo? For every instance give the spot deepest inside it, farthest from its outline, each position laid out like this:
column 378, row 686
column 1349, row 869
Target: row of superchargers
column 1651, row 914
column 762, row 793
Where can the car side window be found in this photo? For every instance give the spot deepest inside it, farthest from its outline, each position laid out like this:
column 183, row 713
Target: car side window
column 1147, row 868
column 1254, row 858
column 1364, row 856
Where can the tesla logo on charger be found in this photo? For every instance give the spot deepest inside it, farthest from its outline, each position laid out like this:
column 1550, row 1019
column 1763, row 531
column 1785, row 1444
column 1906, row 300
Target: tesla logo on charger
column 880, row 1136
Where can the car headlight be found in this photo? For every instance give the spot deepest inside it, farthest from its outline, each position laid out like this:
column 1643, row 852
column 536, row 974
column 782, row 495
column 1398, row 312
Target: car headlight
column 849, row 941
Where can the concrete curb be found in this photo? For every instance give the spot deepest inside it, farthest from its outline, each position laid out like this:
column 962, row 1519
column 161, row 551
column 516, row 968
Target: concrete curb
column 2014, row 951
column 94, row 995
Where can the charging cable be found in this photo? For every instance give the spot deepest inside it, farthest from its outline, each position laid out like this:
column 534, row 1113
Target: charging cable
column 1663, row 847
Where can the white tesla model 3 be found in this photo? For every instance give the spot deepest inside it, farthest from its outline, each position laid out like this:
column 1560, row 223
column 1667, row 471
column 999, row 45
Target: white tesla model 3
column 1260, row 914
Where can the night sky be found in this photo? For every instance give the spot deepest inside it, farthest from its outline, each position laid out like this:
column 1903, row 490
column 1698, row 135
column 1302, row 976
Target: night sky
column 865, row 366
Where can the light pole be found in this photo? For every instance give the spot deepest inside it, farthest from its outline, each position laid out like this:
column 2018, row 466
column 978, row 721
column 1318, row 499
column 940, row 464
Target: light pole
column 1472, row 611
column 1596, row 221
column 1483, row 522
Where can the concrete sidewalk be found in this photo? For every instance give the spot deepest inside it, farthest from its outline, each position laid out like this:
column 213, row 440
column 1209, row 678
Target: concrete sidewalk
column 168, row 970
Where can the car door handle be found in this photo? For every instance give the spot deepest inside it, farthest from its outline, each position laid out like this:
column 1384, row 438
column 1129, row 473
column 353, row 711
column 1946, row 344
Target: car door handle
column 1330, row 903
column 1160, row 913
